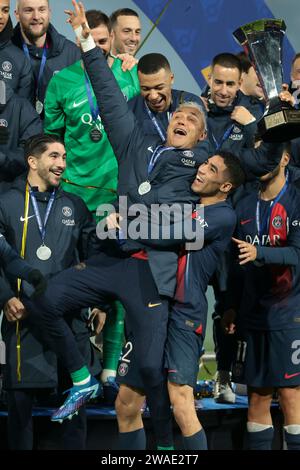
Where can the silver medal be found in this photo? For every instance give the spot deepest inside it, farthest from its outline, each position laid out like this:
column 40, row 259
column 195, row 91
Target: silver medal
column 39, row 106
column 43, row 252
column 144, row 188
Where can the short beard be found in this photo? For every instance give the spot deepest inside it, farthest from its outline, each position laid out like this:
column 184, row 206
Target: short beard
column 33, row 37
column 272, row 175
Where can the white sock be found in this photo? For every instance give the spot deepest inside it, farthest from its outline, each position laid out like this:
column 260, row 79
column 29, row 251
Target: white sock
column 257, row 427
column 292, row 428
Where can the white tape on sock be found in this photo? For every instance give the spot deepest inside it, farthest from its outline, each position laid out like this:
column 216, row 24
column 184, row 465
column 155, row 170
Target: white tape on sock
column 257, row 427
column 292, row 428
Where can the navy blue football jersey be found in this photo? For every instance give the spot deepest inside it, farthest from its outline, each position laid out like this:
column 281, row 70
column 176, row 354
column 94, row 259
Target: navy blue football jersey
column 271, row 292
column 195, row 268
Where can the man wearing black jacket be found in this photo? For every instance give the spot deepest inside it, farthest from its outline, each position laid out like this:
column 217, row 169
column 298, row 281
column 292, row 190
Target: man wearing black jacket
column 141, row 281
column 154, row 107
column 18, row 122
column 55, row 230
column 46, row 49
column 232, row 116
column 14, row 69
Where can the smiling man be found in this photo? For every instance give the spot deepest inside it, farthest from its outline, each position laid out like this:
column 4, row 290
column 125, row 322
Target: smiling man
column 143, row 281
column 70, row 113
column 126, row 31
column 144, row 164
column 186, row 125
column 232, row 117
column 34, row 17
column 154, row 107
column 92, row 170
column 55, row 229
column 46, row 49
column 187, row 322
column 232, row 125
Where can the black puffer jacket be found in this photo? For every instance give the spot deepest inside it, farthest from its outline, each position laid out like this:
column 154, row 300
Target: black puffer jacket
column 15, row 69
column 60, row 54
column 71, row 237
column 21, row 122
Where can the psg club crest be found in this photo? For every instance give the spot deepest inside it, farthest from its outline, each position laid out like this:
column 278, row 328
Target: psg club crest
column 277, row 222
column 67, row 211
column 123, row 369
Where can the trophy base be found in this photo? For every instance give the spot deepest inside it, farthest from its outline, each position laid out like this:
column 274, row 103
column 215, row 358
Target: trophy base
column 281, row 126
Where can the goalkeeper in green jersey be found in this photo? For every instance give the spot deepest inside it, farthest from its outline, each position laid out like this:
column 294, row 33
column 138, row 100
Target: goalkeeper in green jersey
column 71, row 112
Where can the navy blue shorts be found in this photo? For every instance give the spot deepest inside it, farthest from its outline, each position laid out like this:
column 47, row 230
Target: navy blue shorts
column 142, row 356
column 183, row 351
column 103, row 278
column 272, row 358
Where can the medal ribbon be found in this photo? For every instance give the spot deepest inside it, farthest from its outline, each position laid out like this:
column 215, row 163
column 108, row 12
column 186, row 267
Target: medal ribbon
column 94, row 109
column 156, row 155
column 42, row 225
column 42, row 66
column 264, row 227
column 160, row 132
column 226, row 134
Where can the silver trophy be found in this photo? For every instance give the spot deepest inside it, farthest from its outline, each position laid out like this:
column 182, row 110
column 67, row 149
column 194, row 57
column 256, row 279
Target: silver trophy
column 262, row 41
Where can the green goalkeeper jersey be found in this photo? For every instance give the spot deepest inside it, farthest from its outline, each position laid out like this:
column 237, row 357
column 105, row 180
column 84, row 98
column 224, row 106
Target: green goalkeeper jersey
column 92, row 169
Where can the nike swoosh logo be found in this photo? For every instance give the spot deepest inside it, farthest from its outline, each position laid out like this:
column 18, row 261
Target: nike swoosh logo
column 151, row 305
column 243, row 222
column 22, row 219
column 75, row 105
column 150, row 149
column 289, row 376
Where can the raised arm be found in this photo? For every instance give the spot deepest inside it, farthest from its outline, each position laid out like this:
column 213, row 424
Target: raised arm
column 261, row 160
column 118, row 120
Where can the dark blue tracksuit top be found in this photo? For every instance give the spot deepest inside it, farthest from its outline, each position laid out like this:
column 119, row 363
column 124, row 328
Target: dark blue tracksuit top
column 12, row 262
column 172, row 175
column 60, row 54
column 137, row 105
